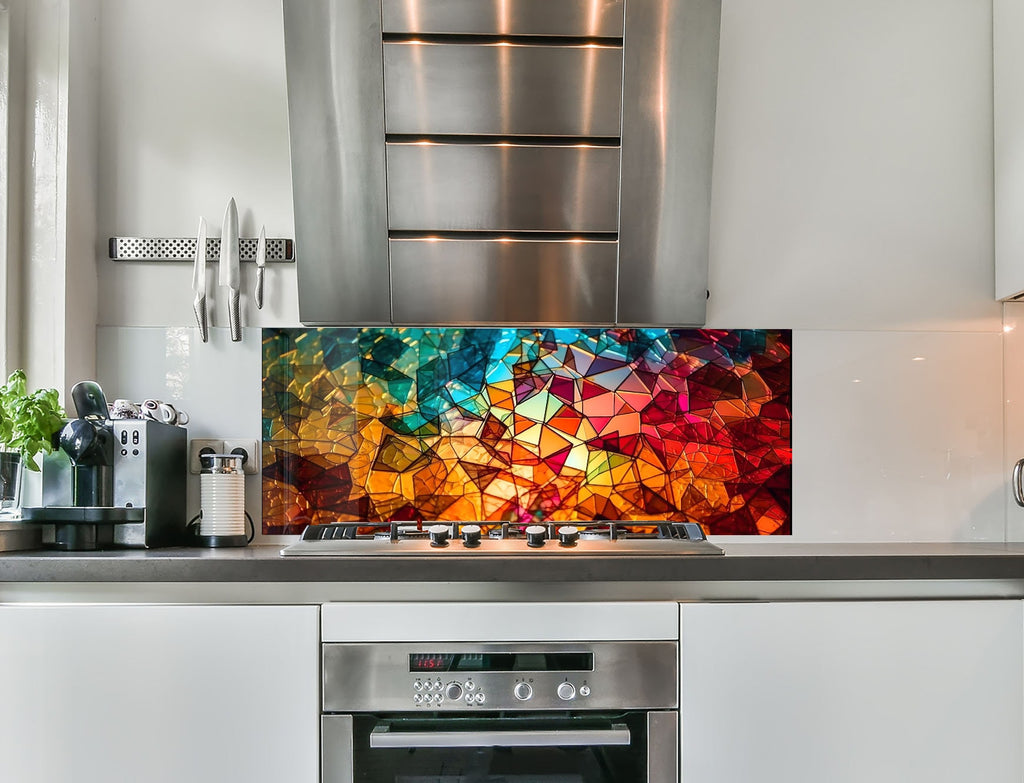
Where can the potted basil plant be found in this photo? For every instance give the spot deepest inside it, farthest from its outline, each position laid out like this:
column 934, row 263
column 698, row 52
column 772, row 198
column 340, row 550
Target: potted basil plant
column 28, row 424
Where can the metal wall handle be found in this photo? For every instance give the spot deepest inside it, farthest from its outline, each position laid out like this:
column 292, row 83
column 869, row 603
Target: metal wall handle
column 383, row 737
column 1018, row 487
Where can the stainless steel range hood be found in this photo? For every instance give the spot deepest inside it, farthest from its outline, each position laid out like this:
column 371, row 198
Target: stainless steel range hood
column 502, row 161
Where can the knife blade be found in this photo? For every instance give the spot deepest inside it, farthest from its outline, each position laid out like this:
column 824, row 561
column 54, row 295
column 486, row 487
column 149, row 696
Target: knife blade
column 261, row 262
column 229, row 273
column 199, row 282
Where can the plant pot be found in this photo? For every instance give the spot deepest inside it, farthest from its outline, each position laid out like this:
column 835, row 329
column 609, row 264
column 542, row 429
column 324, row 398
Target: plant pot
column 11, row 470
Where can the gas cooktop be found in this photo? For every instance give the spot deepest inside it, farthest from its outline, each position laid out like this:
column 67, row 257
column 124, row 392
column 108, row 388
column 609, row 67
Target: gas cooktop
column 632, row 538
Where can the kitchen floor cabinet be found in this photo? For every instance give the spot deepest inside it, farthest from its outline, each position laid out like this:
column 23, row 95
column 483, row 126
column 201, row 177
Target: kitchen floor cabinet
column 159, row 694
column 852, row 692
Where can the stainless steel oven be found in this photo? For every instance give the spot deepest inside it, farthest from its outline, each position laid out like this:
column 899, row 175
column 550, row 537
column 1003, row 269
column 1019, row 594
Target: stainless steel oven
column 524, row 712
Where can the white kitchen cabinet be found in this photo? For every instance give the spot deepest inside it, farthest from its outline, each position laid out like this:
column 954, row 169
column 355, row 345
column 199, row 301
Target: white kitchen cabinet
column 1008, row 133
column 849, row 692
column 159, row 694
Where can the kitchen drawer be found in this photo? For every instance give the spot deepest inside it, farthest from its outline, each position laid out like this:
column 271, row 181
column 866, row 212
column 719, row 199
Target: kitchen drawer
column 598, row 18
column 502, row 89
column 494, row 281
column 502, row 187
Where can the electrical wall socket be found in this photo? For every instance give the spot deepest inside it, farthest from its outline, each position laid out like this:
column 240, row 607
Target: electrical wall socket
column 197, row 446
column 251, row 449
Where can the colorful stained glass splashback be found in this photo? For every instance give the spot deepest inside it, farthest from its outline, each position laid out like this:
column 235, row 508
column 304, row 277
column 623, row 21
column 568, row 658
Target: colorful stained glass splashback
column 527, row 424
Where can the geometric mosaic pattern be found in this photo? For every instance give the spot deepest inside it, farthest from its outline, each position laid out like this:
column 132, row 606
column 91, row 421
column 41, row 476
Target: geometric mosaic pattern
column 527, row 424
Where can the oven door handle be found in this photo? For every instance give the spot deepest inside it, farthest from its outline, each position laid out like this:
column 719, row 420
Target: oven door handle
column 383, row 737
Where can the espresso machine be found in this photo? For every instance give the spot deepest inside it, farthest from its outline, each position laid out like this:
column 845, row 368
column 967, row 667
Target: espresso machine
column 112, row 482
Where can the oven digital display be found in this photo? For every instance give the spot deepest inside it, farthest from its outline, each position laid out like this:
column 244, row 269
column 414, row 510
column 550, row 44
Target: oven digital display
column 502, row 662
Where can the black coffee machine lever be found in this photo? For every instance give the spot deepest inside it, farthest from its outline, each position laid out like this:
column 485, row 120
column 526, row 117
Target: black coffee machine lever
column 90, row 401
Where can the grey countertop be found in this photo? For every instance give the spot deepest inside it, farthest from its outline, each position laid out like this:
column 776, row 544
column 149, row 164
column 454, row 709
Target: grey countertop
column 743, row 562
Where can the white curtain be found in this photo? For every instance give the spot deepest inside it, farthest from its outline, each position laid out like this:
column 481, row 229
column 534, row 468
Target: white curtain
column 49, row 146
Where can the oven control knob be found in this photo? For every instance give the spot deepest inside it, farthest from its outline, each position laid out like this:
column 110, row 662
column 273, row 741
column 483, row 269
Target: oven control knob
column 522, row 691
column 584, row 690
column 471, row 535
column 438, row 535
column 535, row 535
column 566, row 691
column 453, row 691
column 568, row 535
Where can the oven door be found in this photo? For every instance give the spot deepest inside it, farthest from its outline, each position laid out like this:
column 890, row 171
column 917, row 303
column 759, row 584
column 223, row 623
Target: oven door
column 630, row 747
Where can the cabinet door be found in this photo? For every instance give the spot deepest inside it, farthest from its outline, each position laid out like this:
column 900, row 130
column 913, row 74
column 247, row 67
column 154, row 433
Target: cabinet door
column 1008, row 127
column 859, row 692
column 159, row 694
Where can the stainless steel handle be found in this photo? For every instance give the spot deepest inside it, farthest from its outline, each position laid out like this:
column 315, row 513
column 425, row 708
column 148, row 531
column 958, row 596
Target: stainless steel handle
column 234, row 316
column 199, row 306
column 383, row 737
column 1018, row 487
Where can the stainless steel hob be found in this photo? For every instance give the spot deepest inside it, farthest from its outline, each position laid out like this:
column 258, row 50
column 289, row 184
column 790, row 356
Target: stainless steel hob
column 603, row 538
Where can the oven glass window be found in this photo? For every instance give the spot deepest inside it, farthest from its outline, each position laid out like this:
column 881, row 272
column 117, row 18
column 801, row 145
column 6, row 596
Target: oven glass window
column 478, row 757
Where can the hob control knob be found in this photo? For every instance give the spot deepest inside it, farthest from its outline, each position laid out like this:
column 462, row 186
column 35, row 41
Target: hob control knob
column 566, row 691
column 522, row 691
column 535, row 535
column 453, row 692
column 568, row 535
column 438, row 535
column 471, row 535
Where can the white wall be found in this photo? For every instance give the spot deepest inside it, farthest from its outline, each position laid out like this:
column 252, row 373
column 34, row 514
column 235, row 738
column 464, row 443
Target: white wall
column 852, row 203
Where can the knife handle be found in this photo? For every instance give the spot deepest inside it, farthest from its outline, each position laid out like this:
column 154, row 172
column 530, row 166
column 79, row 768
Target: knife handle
column 258, row 294
column 234, row 317
column 199, row 306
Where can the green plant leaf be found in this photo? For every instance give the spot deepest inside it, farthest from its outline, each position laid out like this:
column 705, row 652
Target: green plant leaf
column 28, row 422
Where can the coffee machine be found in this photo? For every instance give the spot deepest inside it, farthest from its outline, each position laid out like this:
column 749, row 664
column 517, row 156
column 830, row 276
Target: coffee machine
column 117, row 482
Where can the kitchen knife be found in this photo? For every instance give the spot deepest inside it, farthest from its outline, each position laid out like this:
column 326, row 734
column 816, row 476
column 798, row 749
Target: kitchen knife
column 229, row 274
column 261, row 262
column 199, row 282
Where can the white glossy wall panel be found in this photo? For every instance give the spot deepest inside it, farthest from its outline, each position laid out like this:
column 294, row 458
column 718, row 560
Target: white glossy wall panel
column 161, row 694
column 897, row 436
column 853, row 166
column 852, row 692
column 219, row 384
column 193, row 111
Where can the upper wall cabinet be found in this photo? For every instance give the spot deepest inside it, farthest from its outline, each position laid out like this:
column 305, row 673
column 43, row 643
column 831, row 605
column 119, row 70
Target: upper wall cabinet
column 1008, row 126
column 502, row 161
